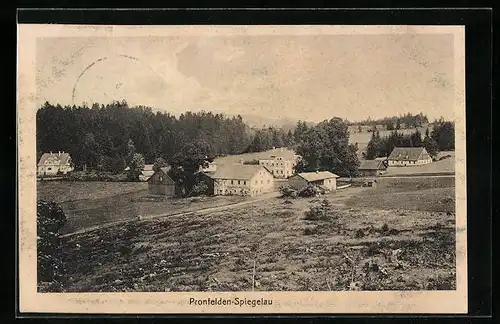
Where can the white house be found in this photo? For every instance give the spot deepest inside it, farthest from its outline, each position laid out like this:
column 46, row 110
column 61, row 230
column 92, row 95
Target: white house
column 409, row 156
column 51, row 164
column 241, row 179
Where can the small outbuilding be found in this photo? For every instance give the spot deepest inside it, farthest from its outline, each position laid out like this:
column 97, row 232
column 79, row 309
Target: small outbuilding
column 324, row 179
column 370, row 168
column 160, row 183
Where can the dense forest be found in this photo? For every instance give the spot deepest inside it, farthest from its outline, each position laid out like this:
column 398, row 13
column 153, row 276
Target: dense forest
column 396, row 122
column 441, row 138
column 106, row 137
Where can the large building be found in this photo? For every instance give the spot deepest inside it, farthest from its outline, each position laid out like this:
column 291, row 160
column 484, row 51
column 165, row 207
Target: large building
column 280, row 167
column 409, row 156
column 241, row 179
column 51, row 164
column 323, row 179
column 369, row 168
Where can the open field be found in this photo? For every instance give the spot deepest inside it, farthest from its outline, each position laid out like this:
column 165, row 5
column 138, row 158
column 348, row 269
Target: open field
column 102, row 202
column 61, row 191
column 446, row 165
column 372, row 242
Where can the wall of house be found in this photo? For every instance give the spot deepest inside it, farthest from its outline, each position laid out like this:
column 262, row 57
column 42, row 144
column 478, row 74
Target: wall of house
column 279, row 168
column 368, row 173
column 261, row 183
column 231, row 187
column 48, row 170
column 159, row 184
column 330, row 184
column 409, row 163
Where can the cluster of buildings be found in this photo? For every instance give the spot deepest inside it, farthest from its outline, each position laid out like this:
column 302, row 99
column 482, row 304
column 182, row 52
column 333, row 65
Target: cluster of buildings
column 238, row 178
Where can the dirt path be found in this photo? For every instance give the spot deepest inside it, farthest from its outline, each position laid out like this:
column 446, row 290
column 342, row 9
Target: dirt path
column 200, row 211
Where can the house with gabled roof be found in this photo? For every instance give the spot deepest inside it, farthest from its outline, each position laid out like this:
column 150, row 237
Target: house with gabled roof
column 51, row 164
column 324, row 179
column 241, row 179
column 160, row 183
column 409, row 156
column 369, row 168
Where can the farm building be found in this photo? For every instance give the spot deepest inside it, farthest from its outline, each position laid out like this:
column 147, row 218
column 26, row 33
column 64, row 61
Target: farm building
column 51, row 164
column 241, row 179
column 324, row 179
column 370, row 168
column 280, row 167
column 408, row 156
column 160, row 183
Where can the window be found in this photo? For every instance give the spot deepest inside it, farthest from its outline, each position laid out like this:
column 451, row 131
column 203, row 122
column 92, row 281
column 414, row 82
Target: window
column 261, row 181
column 231, row 181
column 49, row 169
column 268, row 181
column 161, row 178
column 238, row 181
column 244, row 182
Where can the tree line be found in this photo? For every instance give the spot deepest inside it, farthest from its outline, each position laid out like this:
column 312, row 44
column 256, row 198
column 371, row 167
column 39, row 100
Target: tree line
column 441, row 138
column 113, row 136
column 407, row 120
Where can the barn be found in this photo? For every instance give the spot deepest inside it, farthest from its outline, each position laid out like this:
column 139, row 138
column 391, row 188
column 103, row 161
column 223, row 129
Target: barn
column 160, row 183
column 324, row 179
column 369, row 168
column 409, row 156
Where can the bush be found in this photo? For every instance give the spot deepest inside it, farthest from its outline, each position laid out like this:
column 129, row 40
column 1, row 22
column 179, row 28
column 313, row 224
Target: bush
column 323, row 211
column 310, row 191
column 201, row 188
column 287, row 191
column 50, row 220
column 95, row 176
column 252, row 162
column 310, row 230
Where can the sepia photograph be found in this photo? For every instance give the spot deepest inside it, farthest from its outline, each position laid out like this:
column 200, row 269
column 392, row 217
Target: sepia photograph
column 242, row 168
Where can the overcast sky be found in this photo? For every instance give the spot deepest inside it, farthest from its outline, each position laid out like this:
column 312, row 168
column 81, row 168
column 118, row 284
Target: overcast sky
column 301, row 77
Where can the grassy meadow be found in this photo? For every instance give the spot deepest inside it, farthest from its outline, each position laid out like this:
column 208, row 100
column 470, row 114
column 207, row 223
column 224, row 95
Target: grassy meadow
column 372, row 242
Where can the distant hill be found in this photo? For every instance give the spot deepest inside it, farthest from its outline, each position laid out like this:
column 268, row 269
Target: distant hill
column 260, row 122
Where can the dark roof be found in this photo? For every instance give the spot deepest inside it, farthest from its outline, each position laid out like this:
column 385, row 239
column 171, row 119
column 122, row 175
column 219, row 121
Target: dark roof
column 406, row 153
column 372, row 165
column 236, row 171
column 316, row 176
column 59, row 158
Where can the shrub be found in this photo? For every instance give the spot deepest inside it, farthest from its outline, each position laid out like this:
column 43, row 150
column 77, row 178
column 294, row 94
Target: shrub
column 323, row 211
column 50, row 220
column 252, row 162
column 201, row 188
column 310, row 191
column 310, row 230
column 287, row 191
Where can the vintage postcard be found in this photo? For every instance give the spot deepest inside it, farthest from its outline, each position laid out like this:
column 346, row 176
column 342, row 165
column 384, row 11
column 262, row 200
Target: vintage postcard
column 241, row 169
